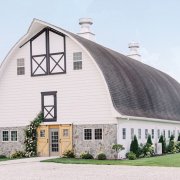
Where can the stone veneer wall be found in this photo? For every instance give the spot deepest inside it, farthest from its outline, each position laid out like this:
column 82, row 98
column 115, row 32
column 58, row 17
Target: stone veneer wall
column 9, row 147
column 93, row 146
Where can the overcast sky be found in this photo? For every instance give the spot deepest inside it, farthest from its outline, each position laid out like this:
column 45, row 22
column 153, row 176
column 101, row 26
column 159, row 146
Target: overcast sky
column 154, row 24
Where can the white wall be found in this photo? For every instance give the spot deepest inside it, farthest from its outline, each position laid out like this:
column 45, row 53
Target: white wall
column 139, row 124
column 81, row 98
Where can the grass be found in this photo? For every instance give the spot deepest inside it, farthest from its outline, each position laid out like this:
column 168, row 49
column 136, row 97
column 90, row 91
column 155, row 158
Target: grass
column 172, row 160
column 4, row 159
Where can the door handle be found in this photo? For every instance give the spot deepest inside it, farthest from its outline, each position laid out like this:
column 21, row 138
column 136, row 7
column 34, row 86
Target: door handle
column 59, row 140
column 47, row 140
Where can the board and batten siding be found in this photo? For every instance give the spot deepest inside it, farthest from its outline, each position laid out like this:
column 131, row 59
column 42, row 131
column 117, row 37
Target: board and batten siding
column 82, row 97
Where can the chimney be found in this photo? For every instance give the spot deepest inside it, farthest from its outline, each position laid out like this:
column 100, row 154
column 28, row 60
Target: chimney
column 134, row 51
column 85, row 30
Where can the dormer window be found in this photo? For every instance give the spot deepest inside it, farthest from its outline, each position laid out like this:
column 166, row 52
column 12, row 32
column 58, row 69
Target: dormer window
column 77, row 60
column 20, row 66
column 48, row 54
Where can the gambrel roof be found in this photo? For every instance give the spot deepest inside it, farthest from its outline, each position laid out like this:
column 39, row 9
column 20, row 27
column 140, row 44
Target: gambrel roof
column 136, row 89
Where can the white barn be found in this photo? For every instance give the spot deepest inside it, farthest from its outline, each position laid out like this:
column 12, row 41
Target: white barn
column 92, row 97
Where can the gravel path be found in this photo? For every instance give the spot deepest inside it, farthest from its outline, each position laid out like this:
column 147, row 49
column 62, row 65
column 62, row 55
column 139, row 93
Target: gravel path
column 31, row 169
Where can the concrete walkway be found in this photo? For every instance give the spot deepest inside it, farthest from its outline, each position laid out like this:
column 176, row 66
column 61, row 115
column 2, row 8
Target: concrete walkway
column 32, row 169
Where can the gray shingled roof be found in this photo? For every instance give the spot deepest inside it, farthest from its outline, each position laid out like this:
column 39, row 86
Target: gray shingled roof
column 136, row 89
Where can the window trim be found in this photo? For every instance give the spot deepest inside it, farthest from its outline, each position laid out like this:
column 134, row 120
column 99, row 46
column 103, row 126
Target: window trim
column 2, row 135
column 124, row 133
column 18, row 66
column 79, row 60
column 101, row 135
column 91, row 134
column 10, row 135
column 49, row 93
column 47, row 54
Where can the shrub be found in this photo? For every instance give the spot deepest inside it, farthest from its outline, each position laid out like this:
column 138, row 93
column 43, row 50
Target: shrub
column 2, row 156
column 131, row 155
column 69, row 154
column 178, row 137
column 177, row 146
column 163, row 141
column 18, row 154
column 86, row 155
column 172, row 138
column 134, row 147
column 149, row 140
column 171, row 147
column 101, row 156
column 148, row 150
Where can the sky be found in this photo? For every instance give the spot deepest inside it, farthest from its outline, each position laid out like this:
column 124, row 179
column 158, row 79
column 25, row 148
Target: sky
column 153, row 24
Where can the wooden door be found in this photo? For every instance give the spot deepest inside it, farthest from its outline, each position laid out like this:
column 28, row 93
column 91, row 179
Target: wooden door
column 43, row 140
column 65, row 138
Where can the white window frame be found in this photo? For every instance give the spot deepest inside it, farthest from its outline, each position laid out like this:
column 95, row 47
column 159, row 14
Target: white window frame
column 10, row 136
column 84, row 134
column 94, row 134
column 2, row 135
column 132, row 133
column 146, row 133
column 124, row 133
column 20, row 66
column 77, row 60
column 152, row 133
column 139, row 133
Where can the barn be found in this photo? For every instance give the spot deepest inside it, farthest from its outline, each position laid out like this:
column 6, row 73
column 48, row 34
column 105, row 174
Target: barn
column 91, row 96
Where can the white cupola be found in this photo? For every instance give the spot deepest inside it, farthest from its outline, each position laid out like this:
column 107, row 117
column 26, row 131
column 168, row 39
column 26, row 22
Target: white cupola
column 85, row 30
column 134, row 51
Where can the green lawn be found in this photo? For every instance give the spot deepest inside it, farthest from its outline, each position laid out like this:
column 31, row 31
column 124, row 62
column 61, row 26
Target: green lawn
column 172, row 160
column 4, row 159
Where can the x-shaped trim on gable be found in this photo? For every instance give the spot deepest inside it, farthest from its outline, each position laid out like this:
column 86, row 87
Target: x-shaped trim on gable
column 39, row 64
column 57, row 63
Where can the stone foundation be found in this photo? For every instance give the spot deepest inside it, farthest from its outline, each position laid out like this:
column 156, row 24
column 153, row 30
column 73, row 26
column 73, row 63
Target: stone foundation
column 93, row 146
column 9, row 147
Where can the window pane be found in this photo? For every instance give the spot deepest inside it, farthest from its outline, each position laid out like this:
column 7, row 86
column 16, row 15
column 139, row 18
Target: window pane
column 146, row 133
column 65, row 132
column 152, row 133
column 77, row 56
column 42, row 133
column 20, row 62
column 87, row 134
column 5, row 135
column 98, row 133
column 77, row 65
column 169, row 133
column 20, row 70
column 124, row 133
column 132, row 133
column 13, row 135
column 139, row 133
column 158, row 133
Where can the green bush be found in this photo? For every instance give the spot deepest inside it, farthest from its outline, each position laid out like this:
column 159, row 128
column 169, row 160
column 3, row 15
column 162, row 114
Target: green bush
column 86, row 155
column 2, row 156
column 177, row 146
column 69, row 154
column 162, row 140
column 101, row 156
column 18, row 154
column 131, row 155
column 147, row 150
column 172, row 138
column 149, row 140
column 178, row 137
column 134, row 147
column 171, row 147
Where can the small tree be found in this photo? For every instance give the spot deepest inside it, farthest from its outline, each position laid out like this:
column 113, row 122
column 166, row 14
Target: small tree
column 134, row 147
column 178, row 137
column 149, row 140
column 117, row 148
column 171, row 147
column 171, row 138
column 162, row 140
